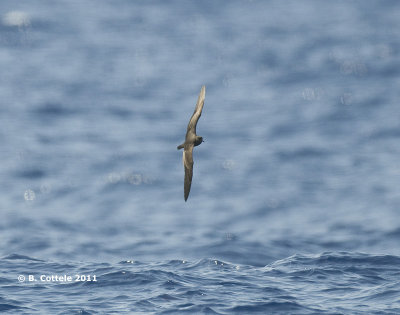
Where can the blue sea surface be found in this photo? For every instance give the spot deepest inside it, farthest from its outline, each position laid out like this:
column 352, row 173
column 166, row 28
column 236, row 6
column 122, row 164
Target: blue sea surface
column 295, row 200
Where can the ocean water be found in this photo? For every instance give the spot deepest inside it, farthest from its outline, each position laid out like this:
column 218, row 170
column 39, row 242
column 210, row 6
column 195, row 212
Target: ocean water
column 295, row 200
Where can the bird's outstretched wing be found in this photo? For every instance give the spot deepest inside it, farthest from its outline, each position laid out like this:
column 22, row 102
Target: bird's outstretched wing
column 188, row 165
column 197, row 111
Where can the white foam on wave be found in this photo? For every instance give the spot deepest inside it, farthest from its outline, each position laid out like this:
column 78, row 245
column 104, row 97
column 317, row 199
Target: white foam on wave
column 16, row 18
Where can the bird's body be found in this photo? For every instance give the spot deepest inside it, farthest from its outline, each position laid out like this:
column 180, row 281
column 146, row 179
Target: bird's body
column 191, row 140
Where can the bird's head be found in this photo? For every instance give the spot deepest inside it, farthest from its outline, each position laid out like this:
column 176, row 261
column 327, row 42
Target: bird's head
column 198, row 140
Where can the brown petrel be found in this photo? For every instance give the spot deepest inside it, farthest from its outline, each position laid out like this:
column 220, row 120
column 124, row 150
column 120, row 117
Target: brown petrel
column 191, row 141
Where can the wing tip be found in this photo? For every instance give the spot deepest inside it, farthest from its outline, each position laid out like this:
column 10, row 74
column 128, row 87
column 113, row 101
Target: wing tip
column 186, row 195
column 203, row 90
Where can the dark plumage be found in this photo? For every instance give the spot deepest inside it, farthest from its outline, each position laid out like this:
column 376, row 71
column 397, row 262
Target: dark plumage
column 191, row 141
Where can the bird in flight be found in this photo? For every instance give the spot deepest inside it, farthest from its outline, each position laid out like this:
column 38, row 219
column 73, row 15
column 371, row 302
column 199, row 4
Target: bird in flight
column 191, row 141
